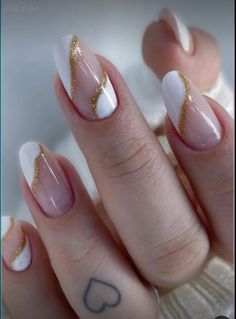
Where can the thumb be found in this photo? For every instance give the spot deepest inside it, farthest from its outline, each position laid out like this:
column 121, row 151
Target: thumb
column 169, row 45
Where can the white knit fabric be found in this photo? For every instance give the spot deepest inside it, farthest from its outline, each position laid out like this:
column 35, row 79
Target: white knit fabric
column 211, row 293
column 206, row 297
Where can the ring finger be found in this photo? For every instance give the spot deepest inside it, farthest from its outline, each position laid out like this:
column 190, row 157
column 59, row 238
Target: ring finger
column 94, row 275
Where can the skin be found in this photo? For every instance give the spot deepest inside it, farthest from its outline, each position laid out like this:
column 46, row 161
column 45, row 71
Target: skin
column 110, row 242
column 162, row 53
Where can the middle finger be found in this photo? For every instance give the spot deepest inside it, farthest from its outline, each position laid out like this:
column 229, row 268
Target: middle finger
column 138, row 185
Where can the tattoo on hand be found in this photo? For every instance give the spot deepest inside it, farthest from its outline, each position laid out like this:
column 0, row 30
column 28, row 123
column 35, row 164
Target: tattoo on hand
column 100, row 295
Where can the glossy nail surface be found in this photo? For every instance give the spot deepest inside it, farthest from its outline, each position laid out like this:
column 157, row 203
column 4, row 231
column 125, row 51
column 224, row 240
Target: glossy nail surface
column 182, row 34
column 46, row 179
column 190, row 112
column 16, row 251
column 84, row 79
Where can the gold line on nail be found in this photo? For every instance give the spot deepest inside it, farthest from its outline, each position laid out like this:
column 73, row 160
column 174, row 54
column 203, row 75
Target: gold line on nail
column 184, row 107
column 98, row 92
column 19, row 249
column 6, row 236
column 36, row 168
column 74, row 51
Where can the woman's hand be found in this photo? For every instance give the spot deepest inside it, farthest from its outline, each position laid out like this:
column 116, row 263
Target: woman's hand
column 82, row 263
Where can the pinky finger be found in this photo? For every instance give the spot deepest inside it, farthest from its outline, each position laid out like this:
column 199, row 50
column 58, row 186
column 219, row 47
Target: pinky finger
column 30, row 288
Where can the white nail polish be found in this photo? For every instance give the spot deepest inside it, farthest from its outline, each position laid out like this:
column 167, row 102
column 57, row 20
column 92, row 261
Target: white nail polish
column 6, row 222
column 22, row 256
column 190, row 112
column 16, row 250
column 85, row 79
column 173, row 94
column 181, row 32
column 27, row 155
column 107, row 101
column 62, row 61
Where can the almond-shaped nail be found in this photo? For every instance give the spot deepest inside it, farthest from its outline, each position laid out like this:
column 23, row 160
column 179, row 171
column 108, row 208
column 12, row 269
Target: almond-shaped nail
column 46, row 179
column 190, row 112
column 181, row 32
column 16, row 251
column 85, row 79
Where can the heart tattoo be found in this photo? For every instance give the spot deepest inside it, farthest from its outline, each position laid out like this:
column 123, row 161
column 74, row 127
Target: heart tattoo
column 100, row 295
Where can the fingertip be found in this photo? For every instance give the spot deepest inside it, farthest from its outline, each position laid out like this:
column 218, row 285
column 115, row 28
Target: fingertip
column 164, row 50
column 16, row 247
column 61, row 93
column 223, row 116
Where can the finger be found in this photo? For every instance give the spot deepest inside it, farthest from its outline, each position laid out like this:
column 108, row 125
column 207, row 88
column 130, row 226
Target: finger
column 169, row 45
column 30, row 288
column 204, row 149
column 94, row 275
column 133, row 175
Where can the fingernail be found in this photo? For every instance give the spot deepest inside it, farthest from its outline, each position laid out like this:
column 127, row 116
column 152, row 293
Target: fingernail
column 84, row 79
column 190, row 112
column 16, row 251
column 46, row 179
column 182, row 34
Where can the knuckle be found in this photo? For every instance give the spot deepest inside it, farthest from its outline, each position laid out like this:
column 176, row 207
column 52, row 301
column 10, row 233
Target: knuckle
column 172, row 261
column 130, row 160
column 85, row 255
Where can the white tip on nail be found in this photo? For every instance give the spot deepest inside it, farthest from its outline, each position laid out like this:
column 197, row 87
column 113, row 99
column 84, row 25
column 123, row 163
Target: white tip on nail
column 173, row 93
column 27, row 154
column 181, row 32
column 5, row 225
column 23, row 260
column 107, row 101
column 61, row 56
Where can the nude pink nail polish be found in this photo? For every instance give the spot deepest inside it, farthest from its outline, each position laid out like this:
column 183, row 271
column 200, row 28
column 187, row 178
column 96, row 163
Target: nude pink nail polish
column 46, row 179
column 85, row 79
column 190, row 112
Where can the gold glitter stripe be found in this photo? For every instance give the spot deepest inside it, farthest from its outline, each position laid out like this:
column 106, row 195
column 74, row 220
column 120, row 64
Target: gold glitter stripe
column 73, row 61
column 19, row 249
column 6, row 236
column 183, row 111
column 98, row 92
column 36, row 168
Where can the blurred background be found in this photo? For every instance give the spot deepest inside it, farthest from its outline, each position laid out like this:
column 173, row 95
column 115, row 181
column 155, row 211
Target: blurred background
column 112, row 28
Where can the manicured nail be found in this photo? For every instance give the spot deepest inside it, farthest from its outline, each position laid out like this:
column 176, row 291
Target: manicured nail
column 46, row 179
column 190, row 112
column 84, row 79
column 16, row 251
column 182, row 34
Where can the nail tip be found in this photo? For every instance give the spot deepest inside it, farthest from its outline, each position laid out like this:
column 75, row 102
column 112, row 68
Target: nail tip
column 5, row 224
column 103, row 112
column 173, row 93
column 75, row 62
column 27, row 154
column 23, row 261
column 169, row 75
column 27, row 149
column 181, row 32
column 61, row 54
column 190, row 113
column 60, row 45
